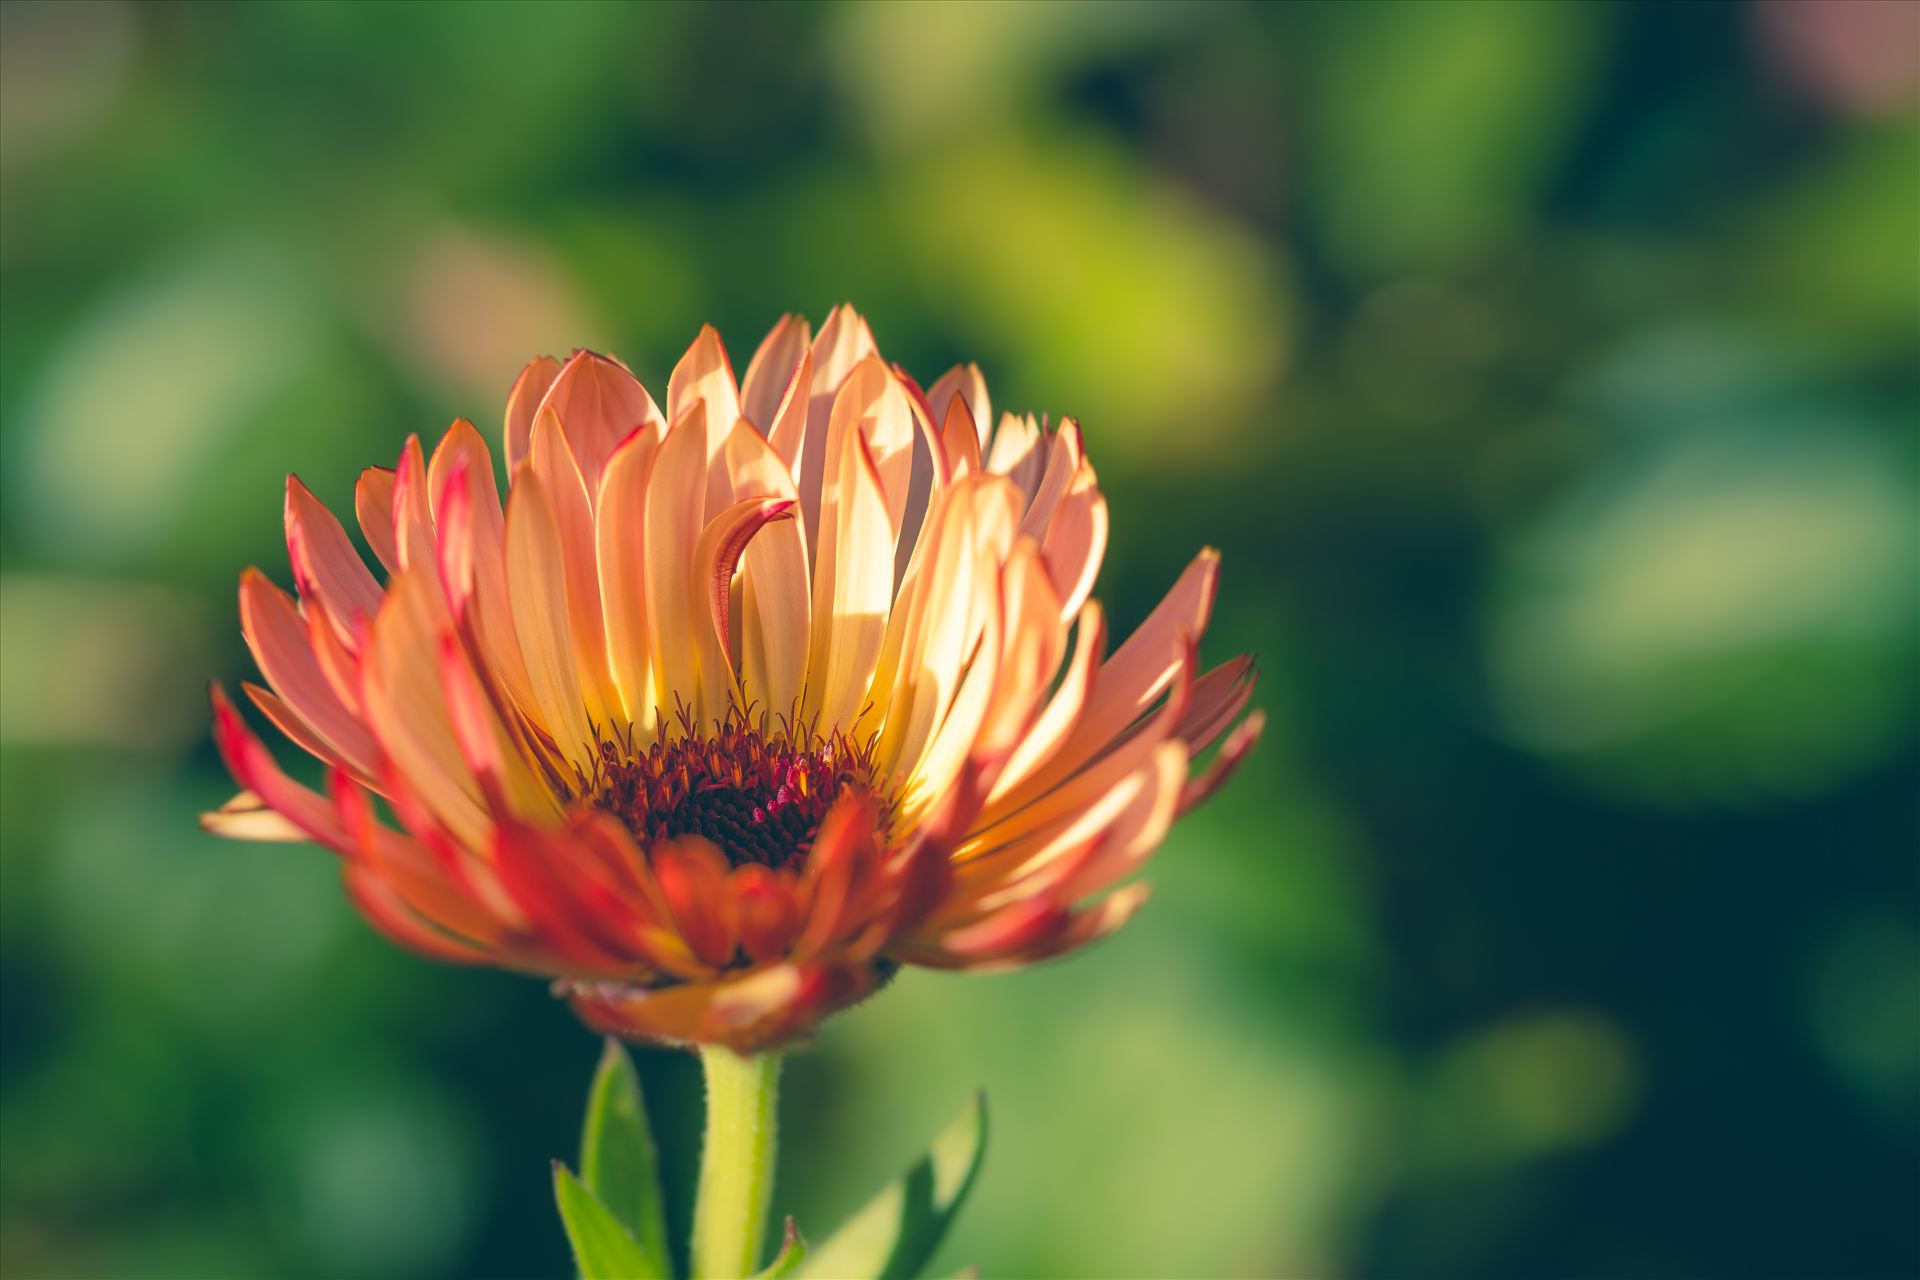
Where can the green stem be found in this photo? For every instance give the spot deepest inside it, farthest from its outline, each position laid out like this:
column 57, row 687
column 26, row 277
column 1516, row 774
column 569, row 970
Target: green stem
column 736, row 1169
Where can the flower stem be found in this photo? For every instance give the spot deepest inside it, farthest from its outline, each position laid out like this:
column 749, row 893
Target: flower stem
column 736, row 1168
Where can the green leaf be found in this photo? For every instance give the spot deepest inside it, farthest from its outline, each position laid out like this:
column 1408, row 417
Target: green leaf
column 603, row 1248
column 898, row 1230
column 618, row 1163
column 793, row 1252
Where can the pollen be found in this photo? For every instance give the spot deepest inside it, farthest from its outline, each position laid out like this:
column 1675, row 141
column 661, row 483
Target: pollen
column 757, row 792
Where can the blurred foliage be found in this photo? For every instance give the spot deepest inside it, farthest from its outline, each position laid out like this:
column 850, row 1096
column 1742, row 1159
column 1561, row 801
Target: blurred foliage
column 1546, row 373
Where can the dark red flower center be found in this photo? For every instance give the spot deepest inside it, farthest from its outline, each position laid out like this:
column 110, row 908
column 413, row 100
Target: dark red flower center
column 758, row 796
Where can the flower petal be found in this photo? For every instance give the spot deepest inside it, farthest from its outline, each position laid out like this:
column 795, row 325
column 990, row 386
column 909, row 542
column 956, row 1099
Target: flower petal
column 771, row 373
column 852, row 587
column 959, row 440
column 412, row 513
column 566, row 487
column 373, row 507
column 537, row 590
column 1232, row 752
column 844, row 341
column 1076, row 539
column 289, row 723
column 253, row 767
column 599, row 404
column 325, row 564
column 1127, row 684
column 872, row 404
column 693, row 876
column 529, row 389
column 471, row 529
column 769, row 917
column 1019, row 452
column 776, row 602
column 247, row 817
column 788, row 433
column 965, row 384
column 620, row 537
column 948, row 607
column 278, row 637
column 724, row 540
column 401, row 693
column 676, row 495
column 704, row 376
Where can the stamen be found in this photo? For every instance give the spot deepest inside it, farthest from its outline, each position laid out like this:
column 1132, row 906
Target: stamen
column 758, row 795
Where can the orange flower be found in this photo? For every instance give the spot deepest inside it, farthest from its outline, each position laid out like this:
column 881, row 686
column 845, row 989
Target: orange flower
column 734, row 707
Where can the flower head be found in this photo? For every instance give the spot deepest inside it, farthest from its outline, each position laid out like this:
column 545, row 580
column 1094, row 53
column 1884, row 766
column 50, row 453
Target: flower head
column 735, row 705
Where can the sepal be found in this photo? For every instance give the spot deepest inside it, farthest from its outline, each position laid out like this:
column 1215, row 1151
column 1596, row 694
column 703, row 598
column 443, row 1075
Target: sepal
column 793, row 1252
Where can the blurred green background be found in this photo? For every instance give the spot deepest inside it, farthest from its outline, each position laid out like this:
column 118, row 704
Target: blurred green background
column 1546, row 373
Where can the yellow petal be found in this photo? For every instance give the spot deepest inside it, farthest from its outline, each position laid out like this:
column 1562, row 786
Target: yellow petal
column 852, row 589
column 788, row 433
column 373, row 506
column 722, row 542
column 1086, row 847
column 279, row 639
column 1063, row 459
column 412, row 514
column 1129, row 683
column 246, row 817
column 401, row 691
column 995, row 700
column 873, row 404
column 771, row 373
column 676, row 497
column 325, row 564
column 1076, row 539
column 844, row 342
column 966, row 384
column 1031, row 649
column 950, row 608
column 776, row 602
column 481, row 542
column 1049, row 731
column 529, row 389
column 704, row 376
column 620, row 533
column 599, row 403
column 1019, row 451
column 958, row 439
column 537, row 590
column 564, row 485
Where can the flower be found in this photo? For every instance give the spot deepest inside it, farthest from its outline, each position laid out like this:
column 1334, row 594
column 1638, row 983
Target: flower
column 733, row 707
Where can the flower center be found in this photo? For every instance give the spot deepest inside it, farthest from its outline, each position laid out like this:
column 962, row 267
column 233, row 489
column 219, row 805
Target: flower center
column 758, row 797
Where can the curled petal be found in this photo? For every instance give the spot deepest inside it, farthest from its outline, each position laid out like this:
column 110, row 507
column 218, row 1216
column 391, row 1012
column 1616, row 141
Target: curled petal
column 715, row 557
